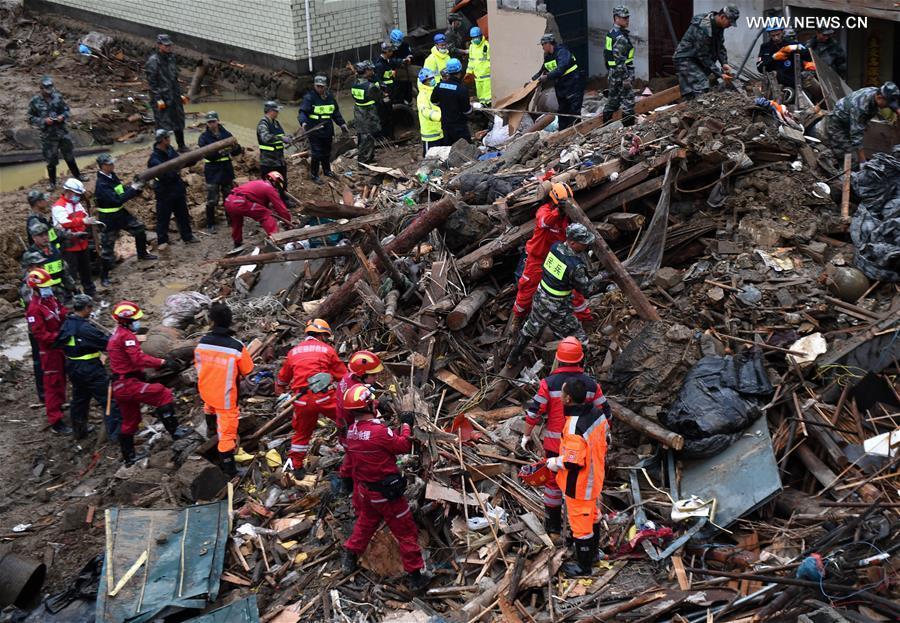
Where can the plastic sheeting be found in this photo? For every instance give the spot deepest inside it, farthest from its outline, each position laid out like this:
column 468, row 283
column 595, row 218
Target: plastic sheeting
column 719, row 399
column 647, row 257
column 179, row 309
column 875, row 229
column 243, row 611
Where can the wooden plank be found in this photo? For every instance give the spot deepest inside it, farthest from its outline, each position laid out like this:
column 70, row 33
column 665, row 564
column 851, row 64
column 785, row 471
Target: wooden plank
column 438, row 492
column 327, row 229
column 845, row 189
column 462, row 386
column 678, row 564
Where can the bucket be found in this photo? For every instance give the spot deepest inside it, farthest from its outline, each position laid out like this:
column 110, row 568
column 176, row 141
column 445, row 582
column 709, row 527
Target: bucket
column 22, row 581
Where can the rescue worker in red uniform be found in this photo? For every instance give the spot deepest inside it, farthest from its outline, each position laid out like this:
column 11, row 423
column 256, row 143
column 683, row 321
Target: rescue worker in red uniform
column 311, row 370
column 221, row 360
column 580, row 469
column 372, row 448
column 127, row 363
column 257, row 199
column 547, row 407
column 363, row 365
column 550, row 224
column 45, row 317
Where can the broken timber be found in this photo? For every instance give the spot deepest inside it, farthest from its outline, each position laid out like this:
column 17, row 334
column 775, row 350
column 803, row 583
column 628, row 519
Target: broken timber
column 317, row 231
column 285, row 256
column 186, row 159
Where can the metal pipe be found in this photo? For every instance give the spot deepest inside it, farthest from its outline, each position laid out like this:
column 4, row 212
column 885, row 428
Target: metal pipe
column 308, row 35
column 22, row 581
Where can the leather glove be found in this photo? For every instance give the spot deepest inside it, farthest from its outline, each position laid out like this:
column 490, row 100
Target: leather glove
column 160, row 105
column 408, row 418
column 554, row 464
column 185, row 99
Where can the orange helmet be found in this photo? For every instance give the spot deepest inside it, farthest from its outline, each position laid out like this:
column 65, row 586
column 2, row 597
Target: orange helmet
column 275, row 179
column 560, row 192
column 38, row 278
column 126, row 311
column 364, row 362
column 359, row 398
column 569, row 350
column 317, row 325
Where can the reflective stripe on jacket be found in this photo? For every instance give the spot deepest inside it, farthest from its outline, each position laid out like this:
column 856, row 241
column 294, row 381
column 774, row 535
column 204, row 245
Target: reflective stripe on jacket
column 582, row 452
column 429, row 115
column 480, row 60
column 221, row 361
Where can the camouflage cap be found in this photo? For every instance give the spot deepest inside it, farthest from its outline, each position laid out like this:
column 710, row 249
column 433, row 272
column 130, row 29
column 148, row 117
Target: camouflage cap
column 732, row 13
column 32, row 258
column 105, row 158
column 212, row 115
column 826, row 31
column 47, row 82
column 37, row 195
column 548, row 38
column 161, row 135
column 36, row 228
column 163, row 39
column 271, row 105
column 576, row 232
column 891, row 93
column 80, row 301
column 320, row 81
column 621, row 11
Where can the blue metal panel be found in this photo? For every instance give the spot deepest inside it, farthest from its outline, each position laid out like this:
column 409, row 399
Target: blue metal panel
column 243, row 611
column 185, row 556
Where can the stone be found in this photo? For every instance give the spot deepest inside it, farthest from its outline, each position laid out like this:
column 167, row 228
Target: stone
column 667, row 277
column 74, row 516
column 715, row 294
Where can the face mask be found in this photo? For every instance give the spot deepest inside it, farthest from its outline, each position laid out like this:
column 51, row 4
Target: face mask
column 46, row 292
column 442, row 48
column 76, row 199
column 135, row 325
column 476, row 41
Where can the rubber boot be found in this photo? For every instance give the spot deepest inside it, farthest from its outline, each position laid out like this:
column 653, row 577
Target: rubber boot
column 349, row 561
column 61, row 428
column 51, row 175
column 605, row 117
column 582, row 565
column 418, row 580
column 129, row 456
column 166, row 415
column 105, row 267
column 314, row 171
column 81, row 429
column 553, row 520
column 598, row 554
column 212, row 425
column 228, row 465
column 515, row 354
column 73, row 169
column 140, row 245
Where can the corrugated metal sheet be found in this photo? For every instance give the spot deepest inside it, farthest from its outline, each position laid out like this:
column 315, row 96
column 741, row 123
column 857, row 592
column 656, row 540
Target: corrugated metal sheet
column 183, row 552
column 243, row 611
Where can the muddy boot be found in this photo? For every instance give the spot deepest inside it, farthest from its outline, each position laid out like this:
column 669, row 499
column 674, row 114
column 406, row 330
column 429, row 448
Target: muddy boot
column 166, row 415
column 605, row 117
column 583, row 564
column 418, row 580
column 61, row 428
column 515, row 353
column 51, row 175
column 73, row 169
column 553, row 522
column 129, row 456
column 349, row 561
column 179, row 139
column 105, row 267
column 597, row 553
column 140, row 245
column 80, row 429
column 228, row 465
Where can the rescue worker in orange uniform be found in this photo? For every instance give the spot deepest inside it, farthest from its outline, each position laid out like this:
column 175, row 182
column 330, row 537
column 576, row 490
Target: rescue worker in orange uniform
column 221, row 360
column 363, row 365
column 550, row 224
column 311, row 370
column 45, row 315
column 130, row 390
column 372, row 448
column 580, row 470
column 547, row 407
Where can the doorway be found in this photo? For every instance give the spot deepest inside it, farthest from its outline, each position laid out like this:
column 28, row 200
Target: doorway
column 661, row 45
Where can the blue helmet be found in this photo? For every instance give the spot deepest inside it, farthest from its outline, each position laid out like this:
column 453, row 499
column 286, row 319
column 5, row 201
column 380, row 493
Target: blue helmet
column 440, row 38
column 454, row 66
column 774, row 28
column 425, row 74
column 397, row 35
column 475, row 32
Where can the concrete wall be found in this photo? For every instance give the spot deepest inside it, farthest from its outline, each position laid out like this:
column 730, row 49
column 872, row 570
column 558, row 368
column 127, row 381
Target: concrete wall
column 515, row 53
column 600, row 22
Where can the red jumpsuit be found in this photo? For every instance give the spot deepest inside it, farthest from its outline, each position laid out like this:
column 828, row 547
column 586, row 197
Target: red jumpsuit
column 547, row 404
column 549, row 228
column 254, row 200
column 309, row 357
column 373, row 449
column 45, row 317
column 344, row 419
column 127, row 362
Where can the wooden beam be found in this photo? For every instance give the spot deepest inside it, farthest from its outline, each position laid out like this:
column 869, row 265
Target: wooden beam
column 285, row 256
column 648, row 427
column 327, row 229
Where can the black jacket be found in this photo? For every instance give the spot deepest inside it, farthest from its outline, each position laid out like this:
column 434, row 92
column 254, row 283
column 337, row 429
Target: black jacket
column 79, row 336
column 110, row 192
column 452, row 97
column 168, row 183
column 217, row 168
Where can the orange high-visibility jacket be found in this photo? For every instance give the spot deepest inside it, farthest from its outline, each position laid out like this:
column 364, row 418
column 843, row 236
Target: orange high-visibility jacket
column 582, row 452
column 221, row 360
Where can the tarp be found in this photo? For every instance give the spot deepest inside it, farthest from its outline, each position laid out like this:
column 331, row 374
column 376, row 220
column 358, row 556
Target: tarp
column 183, row 553
column 243, row 611
column 875, row 229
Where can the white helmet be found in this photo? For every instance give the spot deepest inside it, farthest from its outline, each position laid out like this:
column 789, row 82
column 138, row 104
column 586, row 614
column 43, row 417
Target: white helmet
column 74, row 185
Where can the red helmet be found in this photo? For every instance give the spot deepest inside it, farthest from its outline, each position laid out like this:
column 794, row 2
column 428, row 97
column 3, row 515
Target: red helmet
column 126, row 311
column 38, row 278
column 364, row 362
column 275, row 179
column 569, row 350
column 359, row 398
column 317, row 325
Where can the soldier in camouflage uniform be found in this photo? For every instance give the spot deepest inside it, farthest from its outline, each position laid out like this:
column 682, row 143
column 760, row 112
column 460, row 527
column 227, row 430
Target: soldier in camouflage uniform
column 365, row 115
column 701, row 46
column 619, row 55
column 564, row 270
column 49, row 112
column 846, row 124
column 828, row 50
column 165, row 92
column 457, row 42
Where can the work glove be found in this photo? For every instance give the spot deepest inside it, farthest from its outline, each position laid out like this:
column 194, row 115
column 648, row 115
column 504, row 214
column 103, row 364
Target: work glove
column 160, row 105
column 90, row 220
column 408, row 418
column 282, row 401
column 554, row 464
column 477, row 105
column 185, row 99
column 319, row 382
column 523, row 443
column 137, row 184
